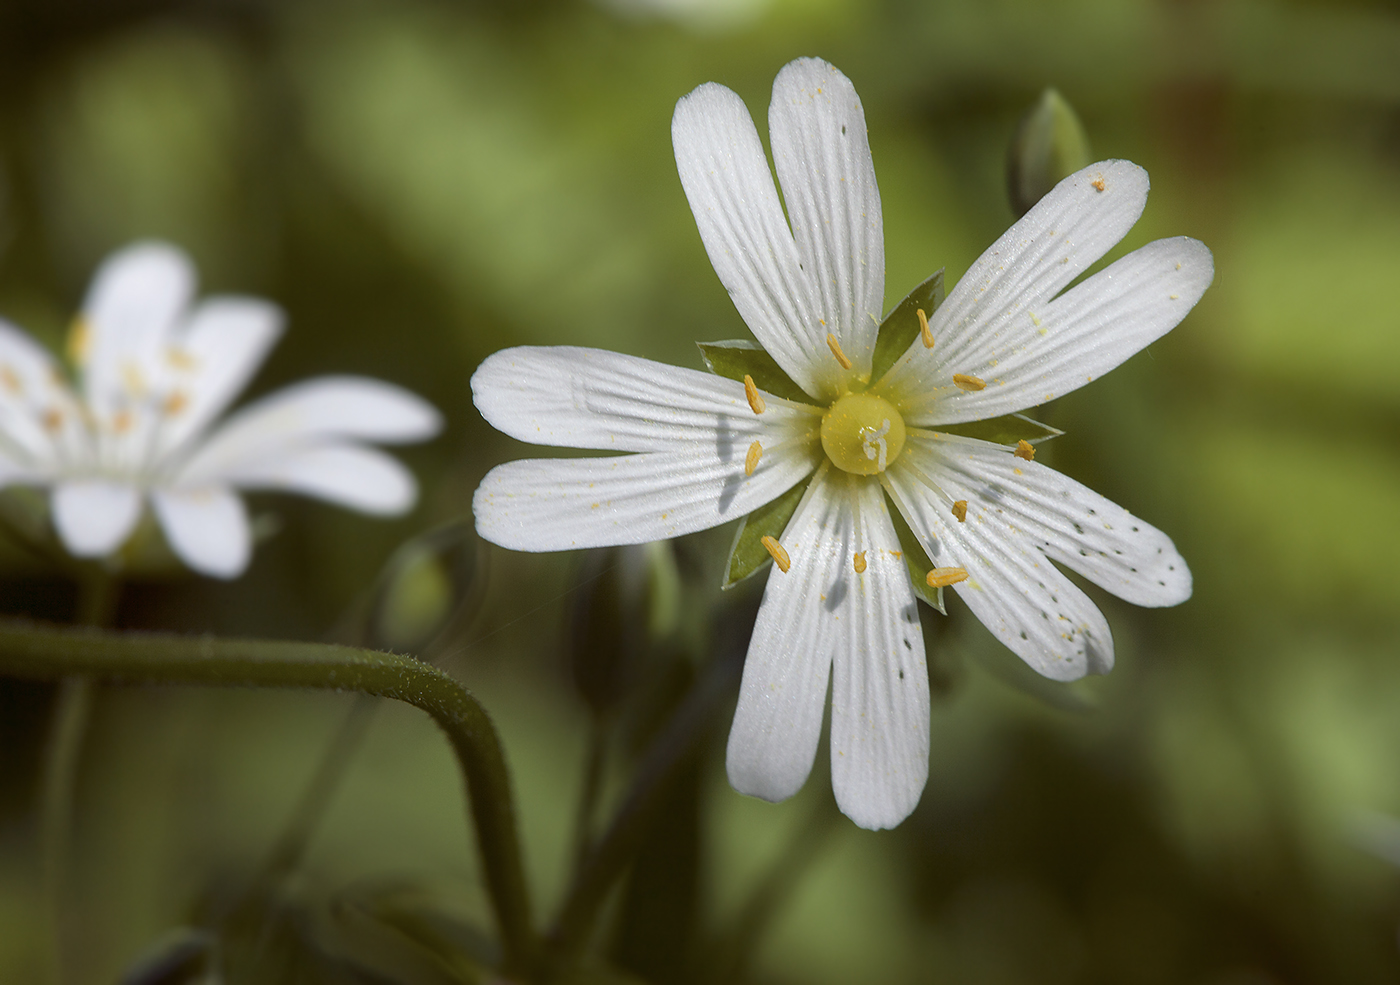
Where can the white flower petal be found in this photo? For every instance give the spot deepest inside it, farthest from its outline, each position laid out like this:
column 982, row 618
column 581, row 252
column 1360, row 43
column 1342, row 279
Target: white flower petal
column 730, row 189
column 39, row 415
column 212, row 359
column 879, row 681
column 136, row 298
column 311, row 413
column 990, row 307
column 1068, row 521
column 589, row 398
column 95, row 516
column 1028, row 603
column 560, row 504
column 363, row 479
column 206, row 528
column 1079, row 336
column 822, row 156
column 778, row 720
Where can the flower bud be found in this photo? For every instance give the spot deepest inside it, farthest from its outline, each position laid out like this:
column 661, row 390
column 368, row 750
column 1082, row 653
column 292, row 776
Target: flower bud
column 1050, row 144
column 429, row 583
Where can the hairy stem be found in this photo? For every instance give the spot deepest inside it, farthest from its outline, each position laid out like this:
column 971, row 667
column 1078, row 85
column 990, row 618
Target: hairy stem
column 46, row 653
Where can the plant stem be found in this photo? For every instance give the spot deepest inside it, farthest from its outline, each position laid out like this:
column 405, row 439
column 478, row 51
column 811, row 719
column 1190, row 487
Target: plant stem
column 610, row 853
column 48, row 653
column 592, row 786
column 98, row 592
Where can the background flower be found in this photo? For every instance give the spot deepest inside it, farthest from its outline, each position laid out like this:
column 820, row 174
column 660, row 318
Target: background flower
column 155, row 372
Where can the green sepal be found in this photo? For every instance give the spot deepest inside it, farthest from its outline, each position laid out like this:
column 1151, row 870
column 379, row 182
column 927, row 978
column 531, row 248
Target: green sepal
column 748, row 554
column 916, row 559
column 738, row 358
column 901, row 326
column 1005, row 430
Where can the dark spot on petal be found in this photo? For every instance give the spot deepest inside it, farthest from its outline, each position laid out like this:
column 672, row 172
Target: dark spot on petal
column 901, row 673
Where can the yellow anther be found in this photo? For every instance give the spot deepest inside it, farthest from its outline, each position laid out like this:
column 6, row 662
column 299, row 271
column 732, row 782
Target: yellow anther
column 121, row 421
column 860, row 562
column 780, row 556
column 180, row 359
column 176, row 402
column 52, row 419
column 943, row 577
column 755, row 398
column 971, row 384
column 960, row 510
column 79, row 341
column 924, row 331
column 133, row 379
column 835, row 348
column 11, row 379
column 751, row 462
column 1026, row 450
column 1098, row 183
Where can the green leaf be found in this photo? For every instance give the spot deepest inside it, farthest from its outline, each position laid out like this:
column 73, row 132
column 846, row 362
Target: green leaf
column 738, row 358
column 917, row 560
column 901, row 326
column 1005, row 430
column 748, row 553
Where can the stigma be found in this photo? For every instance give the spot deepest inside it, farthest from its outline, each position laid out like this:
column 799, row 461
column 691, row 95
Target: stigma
column 862, row 433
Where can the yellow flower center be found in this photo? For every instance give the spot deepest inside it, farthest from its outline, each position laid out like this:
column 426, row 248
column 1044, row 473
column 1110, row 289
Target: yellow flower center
column 862, row 433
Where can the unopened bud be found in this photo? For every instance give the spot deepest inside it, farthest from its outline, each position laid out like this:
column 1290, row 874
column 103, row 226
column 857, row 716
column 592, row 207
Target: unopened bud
column 427, row 585
column 1050, row 144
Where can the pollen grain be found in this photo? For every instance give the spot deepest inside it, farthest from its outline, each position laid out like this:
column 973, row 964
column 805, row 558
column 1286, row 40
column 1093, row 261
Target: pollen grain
column 943, row 577
column 780, row 556
column 835, row 348
column 755, row 398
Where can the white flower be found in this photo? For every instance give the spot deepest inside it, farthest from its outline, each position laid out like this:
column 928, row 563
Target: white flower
column 841, row 604
column 155, row 370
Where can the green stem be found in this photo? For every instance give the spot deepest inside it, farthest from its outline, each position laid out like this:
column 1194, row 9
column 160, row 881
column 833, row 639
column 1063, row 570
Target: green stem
column 46, row 653
column 610, row 853
column 592, row 787
column 72, row 709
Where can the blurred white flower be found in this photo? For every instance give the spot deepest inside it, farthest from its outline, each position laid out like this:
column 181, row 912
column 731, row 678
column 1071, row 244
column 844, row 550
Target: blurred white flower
column 841, row 605
column 155, row 370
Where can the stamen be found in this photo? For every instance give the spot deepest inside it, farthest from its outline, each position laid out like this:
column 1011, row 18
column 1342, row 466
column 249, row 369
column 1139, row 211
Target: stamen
column 1026, row 450
column 121, row 421
column 780, row 556
column 755, row 398
column 133, row 379
column 11, row 379
column 960, row 510
column 79, row 341
column 52, row 419
column 751, row 462
column 860, row 562
column 943, row 577
column 180, row 358
column 873, row 441
column 970, row 384
column 176, row 402
column 835, row 348
column 924, row 331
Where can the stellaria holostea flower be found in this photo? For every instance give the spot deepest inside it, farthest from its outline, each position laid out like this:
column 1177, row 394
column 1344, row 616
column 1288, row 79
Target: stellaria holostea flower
column 839, row 603
column 155, row 370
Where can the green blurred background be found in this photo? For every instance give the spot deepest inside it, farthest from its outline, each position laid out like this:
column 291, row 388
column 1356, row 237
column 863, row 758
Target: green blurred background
column 421, row 183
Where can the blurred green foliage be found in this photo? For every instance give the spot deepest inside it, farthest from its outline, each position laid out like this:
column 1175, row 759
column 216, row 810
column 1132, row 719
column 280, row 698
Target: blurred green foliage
column 420, row 183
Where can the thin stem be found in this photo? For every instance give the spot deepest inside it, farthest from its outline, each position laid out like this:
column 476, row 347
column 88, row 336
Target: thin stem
column 47, row 653
column 71, row 711
column 98, row 592
column 592, row 786
column 611, row 853
column 316, row 798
